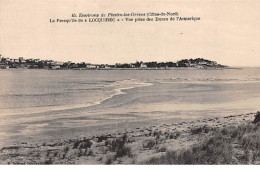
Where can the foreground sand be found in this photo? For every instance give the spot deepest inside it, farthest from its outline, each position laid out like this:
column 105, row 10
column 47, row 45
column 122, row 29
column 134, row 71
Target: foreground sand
column 127, row 147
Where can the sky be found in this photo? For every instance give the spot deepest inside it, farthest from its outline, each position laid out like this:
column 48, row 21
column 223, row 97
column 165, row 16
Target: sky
column 228, row 31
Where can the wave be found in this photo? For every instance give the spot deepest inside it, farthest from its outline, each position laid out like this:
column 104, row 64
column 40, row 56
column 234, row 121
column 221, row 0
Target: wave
column 126, row 85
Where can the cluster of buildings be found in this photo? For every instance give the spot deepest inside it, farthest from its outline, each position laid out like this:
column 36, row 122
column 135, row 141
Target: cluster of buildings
column 20, row 62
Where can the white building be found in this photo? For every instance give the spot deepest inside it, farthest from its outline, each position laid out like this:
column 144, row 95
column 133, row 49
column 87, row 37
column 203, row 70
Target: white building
column 143, row 65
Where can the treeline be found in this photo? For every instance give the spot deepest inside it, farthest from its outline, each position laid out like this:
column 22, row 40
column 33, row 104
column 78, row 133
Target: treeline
column 198, row 62
column 50, row 64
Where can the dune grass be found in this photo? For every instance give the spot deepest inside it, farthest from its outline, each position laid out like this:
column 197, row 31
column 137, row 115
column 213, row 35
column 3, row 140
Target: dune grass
column 119, row 147
column 229, row 145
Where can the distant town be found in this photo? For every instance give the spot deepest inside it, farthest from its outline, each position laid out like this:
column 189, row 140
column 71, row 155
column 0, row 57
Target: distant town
column 21, row 62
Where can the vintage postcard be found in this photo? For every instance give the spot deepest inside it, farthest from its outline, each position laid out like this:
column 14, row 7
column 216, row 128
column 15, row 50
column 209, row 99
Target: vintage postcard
column 129, row 82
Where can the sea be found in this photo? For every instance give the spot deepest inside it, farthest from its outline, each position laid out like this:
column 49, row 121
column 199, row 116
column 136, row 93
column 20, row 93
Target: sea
column 39, row 106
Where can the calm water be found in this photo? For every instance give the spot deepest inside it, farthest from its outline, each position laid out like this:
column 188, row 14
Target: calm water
column 40, row 105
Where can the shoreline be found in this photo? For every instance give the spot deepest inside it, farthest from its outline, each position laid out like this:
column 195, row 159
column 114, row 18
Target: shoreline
column 124, row 147
column 135, row 69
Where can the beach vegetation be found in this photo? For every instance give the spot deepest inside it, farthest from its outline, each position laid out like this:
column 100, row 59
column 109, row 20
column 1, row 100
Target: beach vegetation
column 109, row 160
column 48, row 161
column 84, row 144
column 149, row 143
column 66, row 149
column 229, row 145
column 161, row 149
column 174, row 135
column 119, row 147
column 257, row 117
column 201, row 129
column 124, row 151
column 157, row 133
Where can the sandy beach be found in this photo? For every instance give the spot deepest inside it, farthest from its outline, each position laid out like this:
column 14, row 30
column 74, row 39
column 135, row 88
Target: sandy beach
column 129, row 82
column 135, row 146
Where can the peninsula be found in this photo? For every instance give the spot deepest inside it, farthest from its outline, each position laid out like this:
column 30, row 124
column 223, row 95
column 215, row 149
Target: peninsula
column 31, row 63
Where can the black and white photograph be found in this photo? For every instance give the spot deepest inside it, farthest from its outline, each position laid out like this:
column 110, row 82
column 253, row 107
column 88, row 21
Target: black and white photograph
column 128, row 82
